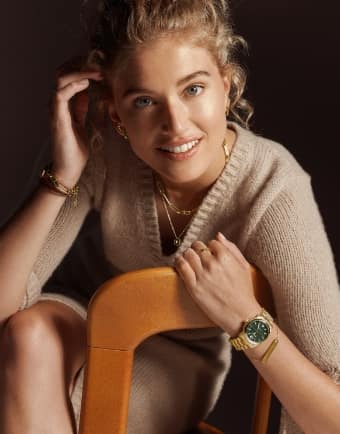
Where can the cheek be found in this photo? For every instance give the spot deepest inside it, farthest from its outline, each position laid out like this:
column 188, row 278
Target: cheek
column 136, row 121
column 140, row 131
column 139, row 140
column 211, row 113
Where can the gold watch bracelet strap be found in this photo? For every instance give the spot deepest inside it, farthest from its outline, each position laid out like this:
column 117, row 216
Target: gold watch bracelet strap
column 240, row 343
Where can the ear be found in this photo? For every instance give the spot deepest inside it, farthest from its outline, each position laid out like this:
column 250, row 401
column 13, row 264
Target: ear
column 113, row 114
column 227, row 75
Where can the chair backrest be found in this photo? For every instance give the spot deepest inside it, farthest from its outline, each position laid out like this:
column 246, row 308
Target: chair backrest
column 125, row 311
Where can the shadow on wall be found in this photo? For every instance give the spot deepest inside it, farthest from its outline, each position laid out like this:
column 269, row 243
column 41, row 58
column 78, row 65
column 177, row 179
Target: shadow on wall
column 37, row 38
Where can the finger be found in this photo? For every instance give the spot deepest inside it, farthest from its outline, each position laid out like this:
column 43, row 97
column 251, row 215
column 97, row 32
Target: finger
column 220, row 251
column 68, row 79
column 186, row 272
column 203, row 252
column 232, row 248
column 193, row 260
column 63, row 96
column 60, row 111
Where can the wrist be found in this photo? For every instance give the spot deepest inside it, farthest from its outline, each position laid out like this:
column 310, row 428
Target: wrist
column 67, row 180
column 255, row 331
column 46, row 190
column 238, row 322
column 50, row 180
column 263, row 351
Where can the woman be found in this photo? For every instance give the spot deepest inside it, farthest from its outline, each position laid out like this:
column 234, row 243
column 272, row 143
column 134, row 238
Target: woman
column 181, row 184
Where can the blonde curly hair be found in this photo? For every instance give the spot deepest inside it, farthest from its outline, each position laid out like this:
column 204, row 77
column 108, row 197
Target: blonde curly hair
column 122, row 25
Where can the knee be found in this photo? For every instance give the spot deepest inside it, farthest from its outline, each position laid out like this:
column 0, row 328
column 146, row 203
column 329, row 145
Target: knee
column 27, row 335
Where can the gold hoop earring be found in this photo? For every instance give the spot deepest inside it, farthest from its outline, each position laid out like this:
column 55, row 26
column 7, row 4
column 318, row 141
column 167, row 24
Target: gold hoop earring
column 226, row 151
column 227, row 111
column 121, row 130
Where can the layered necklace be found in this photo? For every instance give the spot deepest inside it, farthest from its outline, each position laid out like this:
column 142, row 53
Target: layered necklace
column 178, row 238
column 168, row 205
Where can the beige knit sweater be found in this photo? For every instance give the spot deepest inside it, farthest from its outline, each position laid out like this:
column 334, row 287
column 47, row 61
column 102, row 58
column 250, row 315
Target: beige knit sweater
column 263, row 201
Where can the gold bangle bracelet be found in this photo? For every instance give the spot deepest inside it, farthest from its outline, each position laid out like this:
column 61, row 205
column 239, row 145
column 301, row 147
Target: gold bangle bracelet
column 50, row 181
column 271, row 347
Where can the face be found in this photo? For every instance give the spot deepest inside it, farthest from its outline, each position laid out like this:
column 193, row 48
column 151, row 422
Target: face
column 171, row 99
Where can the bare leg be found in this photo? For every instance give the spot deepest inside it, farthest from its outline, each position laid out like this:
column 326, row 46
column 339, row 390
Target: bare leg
column 41, row 350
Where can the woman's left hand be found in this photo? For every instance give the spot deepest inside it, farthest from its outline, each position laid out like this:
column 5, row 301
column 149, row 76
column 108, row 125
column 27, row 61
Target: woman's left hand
column 218, row 277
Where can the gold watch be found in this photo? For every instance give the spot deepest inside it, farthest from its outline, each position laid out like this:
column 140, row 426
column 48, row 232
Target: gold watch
column 254, row 331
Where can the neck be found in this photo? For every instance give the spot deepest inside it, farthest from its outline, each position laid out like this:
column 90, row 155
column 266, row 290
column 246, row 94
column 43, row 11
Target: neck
column 187, row 195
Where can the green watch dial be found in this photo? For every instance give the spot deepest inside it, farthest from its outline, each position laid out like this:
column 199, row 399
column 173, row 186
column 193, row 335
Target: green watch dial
column 257, row 330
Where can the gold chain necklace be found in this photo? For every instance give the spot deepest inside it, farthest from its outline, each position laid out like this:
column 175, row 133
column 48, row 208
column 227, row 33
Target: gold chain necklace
column 170, row 204
column 178, row 238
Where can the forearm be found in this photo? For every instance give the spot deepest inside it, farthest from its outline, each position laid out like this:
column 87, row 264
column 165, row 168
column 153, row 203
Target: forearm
column 311, row 398
column 20, row 243
column 220, row 282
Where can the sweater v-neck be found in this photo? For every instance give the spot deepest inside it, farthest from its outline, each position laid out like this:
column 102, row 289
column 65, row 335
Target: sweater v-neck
column 221, row 189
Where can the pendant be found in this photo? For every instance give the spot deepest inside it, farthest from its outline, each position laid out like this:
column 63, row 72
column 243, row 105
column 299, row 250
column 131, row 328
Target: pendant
column 177, row 242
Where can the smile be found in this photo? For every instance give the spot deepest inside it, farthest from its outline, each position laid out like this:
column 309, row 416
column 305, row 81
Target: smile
column 180, row 149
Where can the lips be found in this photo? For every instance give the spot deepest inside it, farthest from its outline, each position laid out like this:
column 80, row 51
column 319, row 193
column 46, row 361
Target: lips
column 180, row 151
column 180, row 147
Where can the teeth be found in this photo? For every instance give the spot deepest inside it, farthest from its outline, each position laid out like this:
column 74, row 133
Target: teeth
column 179, row 149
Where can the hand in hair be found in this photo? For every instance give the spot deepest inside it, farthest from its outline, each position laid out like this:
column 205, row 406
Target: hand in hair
column 69, row 105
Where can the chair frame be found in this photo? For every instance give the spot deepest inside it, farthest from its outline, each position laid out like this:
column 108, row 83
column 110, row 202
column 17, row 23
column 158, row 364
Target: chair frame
column 137, row 305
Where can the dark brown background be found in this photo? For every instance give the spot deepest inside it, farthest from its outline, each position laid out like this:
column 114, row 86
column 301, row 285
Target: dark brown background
column 293, row 83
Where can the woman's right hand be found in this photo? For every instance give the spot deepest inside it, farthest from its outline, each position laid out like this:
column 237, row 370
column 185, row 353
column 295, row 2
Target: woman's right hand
column 70, row 150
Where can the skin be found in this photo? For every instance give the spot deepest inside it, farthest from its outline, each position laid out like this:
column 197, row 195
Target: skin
column 161, row 111
column 23, row 362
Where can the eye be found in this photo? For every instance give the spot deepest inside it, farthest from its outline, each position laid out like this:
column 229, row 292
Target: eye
column 142, row 102
column 194, row 89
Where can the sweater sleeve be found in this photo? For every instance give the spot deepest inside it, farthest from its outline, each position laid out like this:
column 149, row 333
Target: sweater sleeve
column 65, row 229
column 290, row 246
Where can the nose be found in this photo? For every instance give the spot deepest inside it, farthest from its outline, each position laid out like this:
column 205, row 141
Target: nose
column 174, row 117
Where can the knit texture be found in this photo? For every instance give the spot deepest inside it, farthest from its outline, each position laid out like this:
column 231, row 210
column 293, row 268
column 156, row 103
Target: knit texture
column 263, row 202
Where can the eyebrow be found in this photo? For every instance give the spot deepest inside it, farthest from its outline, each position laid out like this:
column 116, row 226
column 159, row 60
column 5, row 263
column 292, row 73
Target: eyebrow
column 132, row 91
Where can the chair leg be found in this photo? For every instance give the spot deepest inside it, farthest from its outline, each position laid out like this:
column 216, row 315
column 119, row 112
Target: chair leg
column 262, row 407
column 106, row 386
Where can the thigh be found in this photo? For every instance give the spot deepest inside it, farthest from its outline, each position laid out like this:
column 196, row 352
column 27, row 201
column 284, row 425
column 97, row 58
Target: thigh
column 60, row 326
column 70, row 328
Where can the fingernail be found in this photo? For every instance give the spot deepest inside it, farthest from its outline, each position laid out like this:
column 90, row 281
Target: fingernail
column 221, row 236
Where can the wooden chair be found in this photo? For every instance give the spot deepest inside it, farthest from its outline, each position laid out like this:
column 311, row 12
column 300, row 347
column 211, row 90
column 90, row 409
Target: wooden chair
column 123, row 312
